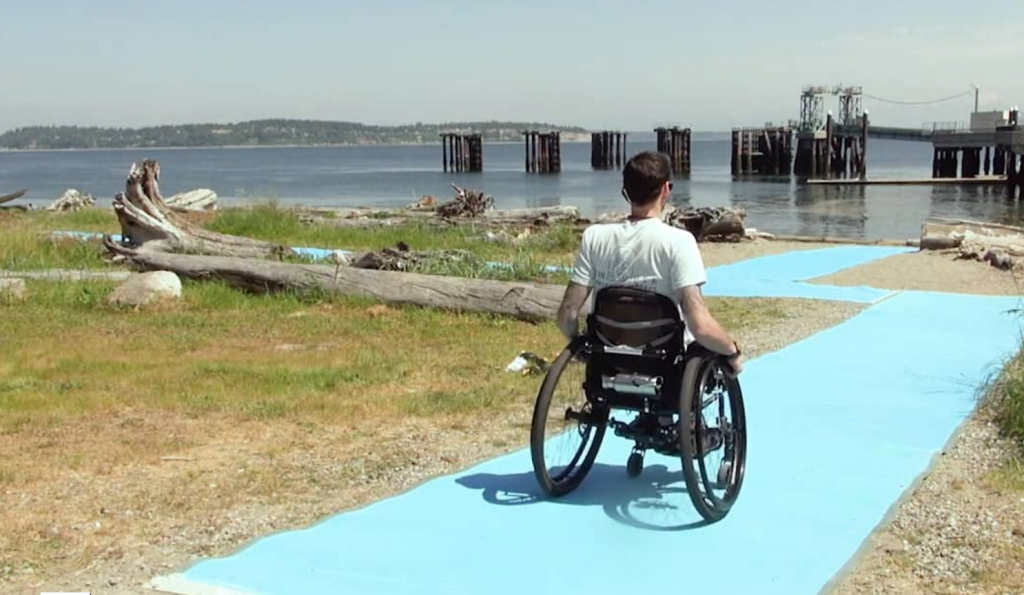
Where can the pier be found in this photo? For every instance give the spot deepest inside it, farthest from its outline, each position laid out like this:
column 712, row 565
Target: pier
column 764, row 151
column 992, row 146
column 827, row 148
column 462, row 152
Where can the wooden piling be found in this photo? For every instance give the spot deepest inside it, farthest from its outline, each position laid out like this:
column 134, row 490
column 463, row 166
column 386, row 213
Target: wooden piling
column 607, row 150
column 863, row 149
column 462, row 152
column 675, row 143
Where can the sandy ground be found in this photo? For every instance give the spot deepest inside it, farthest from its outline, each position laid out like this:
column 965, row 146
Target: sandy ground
column 722, row 253
column 116, row 528
column 930, row 271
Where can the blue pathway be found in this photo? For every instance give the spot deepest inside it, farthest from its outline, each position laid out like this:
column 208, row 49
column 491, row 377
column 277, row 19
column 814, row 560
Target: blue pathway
column 841, row 424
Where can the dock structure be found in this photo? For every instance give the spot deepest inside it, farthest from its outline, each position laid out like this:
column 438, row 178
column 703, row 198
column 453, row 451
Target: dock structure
column 675, row 142
column 764, row 151
column 543, row 151
column 607, row 149
column 828, row 148
column 993, row 145
column 462, row 152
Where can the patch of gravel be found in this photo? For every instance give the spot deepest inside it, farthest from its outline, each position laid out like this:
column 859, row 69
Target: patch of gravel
column 800, row 319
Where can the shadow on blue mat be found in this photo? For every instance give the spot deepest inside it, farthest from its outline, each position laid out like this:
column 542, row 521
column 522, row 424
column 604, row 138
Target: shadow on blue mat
column 658, row 492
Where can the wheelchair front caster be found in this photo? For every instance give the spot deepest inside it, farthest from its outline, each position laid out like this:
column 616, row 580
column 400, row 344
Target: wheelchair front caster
column 635, row 464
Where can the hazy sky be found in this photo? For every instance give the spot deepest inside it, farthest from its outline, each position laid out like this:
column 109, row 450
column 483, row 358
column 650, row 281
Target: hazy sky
column 634, row 65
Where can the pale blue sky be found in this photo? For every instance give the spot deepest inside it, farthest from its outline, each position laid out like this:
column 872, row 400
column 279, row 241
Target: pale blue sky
column 595, row 63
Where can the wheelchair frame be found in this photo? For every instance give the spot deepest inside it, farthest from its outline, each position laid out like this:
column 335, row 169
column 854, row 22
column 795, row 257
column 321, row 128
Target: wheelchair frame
column 656, row 382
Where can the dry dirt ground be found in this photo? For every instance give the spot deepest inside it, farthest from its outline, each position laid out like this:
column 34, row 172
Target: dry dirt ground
column 112, row 529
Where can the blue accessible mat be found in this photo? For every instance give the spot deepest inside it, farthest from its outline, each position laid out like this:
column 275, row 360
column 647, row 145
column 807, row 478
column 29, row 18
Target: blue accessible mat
column 783, row 275
column 840, row 425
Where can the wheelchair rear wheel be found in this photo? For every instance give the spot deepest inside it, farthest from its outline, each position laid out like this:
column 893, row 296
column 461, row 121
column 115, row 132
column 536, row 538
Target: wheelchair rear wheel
column 567, row 427
column 713, row 436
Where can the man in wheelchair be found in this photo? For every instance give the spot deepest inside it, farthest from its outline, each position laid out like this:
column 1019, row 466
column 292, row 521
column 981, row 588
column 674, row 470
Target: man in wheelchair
column 645, row 253
column 651, row 347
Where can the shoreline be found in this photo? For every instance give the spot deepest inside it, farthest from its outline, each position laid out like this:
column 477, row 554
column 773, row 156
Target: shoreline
column 199, row 148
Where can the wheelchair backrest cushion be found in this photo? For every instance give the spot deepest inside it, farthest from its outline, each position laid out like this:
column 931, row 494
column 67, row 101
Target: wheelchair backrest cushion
column 627, row 316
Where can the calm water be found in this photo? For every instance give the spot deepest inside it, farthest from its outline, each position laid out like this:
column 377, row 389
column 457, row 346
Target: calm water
column 394, row 176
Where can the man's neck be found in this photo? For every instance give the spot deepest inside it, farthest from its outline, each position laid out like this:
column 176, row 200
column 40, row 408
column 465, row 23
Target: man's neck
column 639, row 214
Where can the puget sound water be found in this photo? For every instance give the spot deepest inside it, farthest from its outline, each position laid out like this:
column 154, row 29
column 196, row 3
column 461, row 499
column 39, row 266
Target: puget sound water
column 391, row 176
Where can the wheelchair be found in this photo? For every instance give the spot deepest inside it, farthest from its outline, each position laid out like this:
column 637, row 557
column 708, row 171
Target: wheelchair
column 632, row 358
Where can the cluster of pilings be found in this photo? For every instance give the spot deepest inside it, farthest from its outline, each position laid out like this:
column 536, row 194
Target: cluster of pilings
column 762, row 151
column 462, row 152
column 675, row 142
column 967, row 162
column 607, row 149
column 836, row 152
column 543, row 151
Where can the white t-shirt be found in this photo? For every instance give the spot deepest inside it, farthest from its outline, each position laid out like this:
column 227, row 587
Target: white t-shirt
column 647, row 254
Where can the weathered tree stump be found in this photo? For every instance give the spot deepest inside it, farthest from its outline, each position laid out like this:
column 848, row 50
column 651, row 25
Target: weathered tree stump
column 148, row 223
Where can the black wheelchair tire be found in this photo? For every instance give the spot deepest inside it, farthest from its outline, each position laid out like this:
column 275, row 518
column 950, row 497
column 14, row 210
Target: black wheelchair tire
column 710, row 507
column 583, row 461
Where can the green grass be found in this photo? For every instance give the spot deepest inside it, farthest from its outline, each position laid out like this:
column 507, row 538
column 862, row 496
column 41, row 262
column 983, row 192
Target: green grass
column 267, row 221
column 1009, row 477
column 27, row 244
column 1010, row 414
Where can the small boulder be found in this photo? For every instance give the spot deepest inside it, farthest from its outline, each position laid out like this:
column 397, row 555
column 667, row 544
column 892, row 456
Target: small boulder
column 12, row 289
column 146, row 288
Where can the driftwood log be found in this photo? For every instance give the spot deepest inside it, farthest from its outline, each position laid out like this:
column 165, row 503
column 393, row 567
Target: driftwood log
column 994, row 243
column 705, row 223
column 523, row 301
column 401, row 258
column 71, row 200
column 148, row 223
column 535, row 217
column 12, row 196
column 467, row 203
column 67, row 275
column 201, row 199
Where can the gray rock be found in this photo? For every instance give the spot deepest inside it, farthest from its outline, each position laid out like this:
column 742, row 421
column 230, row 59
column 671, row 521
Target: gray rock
column 146, row 288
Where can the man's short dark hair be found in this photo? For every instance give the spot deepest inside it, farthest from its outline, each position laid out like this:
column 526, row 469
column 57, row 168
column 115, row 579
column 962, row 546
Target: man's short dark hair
column 644, row 175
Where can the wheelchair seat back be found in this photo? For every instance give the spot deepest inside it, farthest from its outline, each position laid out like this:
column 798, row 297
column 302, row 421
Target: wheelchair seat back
column 635, row 319
column 635, row 335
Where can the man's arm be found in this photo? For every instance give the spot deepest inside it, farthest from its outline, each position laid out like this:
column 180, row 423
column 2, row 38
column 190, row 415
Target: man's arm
column 569, row 311
column 705, row 328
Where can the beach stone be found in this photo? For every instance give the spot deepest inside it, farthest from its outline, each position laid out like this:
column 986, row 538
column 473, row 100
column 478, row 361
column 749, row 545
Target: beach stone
column 12, row 289
column 146, row 288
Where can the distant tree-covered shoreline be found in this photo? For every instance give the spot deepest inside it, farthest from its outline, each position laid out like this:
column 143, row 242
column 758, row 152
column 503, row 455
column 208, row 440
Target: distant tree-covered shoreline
column 258, row 133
